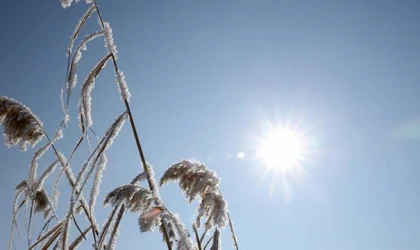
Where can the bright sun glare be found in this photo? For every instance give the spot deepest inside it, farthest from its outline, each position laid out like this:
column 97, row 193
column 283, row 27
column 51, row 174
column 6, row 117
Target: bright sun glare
column 282, row 149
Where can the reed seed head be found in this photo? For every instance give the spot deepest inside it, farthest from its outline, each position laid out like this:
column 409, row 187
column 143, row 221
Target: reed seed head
column 20, row 124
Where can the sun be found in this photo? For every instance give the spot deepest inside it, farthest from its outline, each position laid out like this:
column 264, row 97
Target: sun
column 282, row 148
column 284, row 151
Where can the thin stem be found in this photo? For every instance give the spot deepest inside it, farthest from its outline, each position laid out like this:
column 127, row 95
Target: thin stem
column 233, row 232
column 72, row 184
column 196, row 237
column 165, row 235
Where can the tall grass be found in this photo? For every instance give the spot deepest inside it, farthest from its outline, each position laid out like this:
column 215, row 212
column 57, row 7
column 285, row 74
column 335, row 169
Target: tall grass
column 140, row 196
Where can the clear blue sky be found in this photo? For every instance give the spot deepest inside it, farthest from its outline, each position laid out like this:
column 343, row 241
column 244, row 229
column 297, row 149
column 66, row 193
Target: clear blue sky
column 204, row 76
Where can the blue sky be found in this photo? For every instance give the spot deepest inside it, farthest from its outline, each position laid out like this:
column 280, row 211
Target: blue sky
column 205, row 77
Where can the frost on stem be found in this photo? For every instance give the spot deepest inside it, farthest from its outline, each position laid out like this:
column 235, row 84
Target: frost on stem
column 152, row 180
column 85, row 97
column 184, row 242
column 66, row 3
column 172, row 236
column 40, row 183
column 122, row 86
column 72, row 77
column 38, row 154
column 97, row 181
column 109, row 40
column 196, row 180
column 99, row 162
column 216, row 240
column 79, row 25
column 20, row 124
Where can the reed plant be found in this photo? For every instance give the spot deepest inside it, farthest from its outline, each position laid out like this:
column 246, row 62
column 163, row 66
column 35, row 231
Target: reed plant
column 140, row 196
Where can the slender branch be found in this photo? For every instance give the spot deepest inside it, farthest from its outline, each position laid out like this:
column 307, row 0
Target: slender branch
column 165, row 235
column 134, row 129
column 196, row 237
column 233, row 232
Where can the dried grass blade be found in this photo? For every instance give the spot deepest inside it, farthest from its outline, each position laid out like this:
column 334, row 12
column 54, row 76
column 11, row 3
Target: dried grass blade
column 205, row 246
column 78, row 228
column 46, row 235
column 84, row 108
column 232, row 231
column 197, row 238
column 79, row 25
column 114, row 233
column 79, row 239
column 106, row 227
column 51, row 240
column 73, row 37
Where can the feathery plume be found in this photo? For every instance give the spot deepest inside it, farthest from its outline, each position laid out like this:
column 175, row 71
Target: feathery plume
column 20, row 124
column 194, row 178
column 42, row 203
column 149, row 220
column 135, row 198
column 139, row 178
column 214, row 207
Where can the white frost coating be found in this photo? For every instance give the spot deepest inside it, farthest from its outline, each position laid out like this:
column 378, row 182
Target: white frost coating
column 67, row 171
column 72, row 79
column 122, row 86
column 89, row 1
column 85, row 108
column 40, row 183
column 38, row 154
column 66, row 3
column 97, row 181
column 149, row 220
column 152, row 181
column 214, row 207
column 184, row 241
column 113, row 239
column 81, row 22
column 111, row 133
column 85, row 104
column 115, row 129
column 65, row 233
column 109, row 40
column 58, row 134
column 139, row 178
column 216, row 240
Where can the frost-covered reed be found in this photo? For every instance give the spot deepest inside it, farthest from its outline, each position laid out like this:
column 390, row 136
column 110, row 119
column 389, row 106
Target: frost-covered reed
column 140, row 196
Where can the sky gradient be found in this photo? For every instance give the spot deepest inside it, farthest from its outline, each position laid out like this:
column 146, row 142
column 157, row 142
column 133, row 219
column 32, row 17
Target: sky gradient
column 206, row 77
